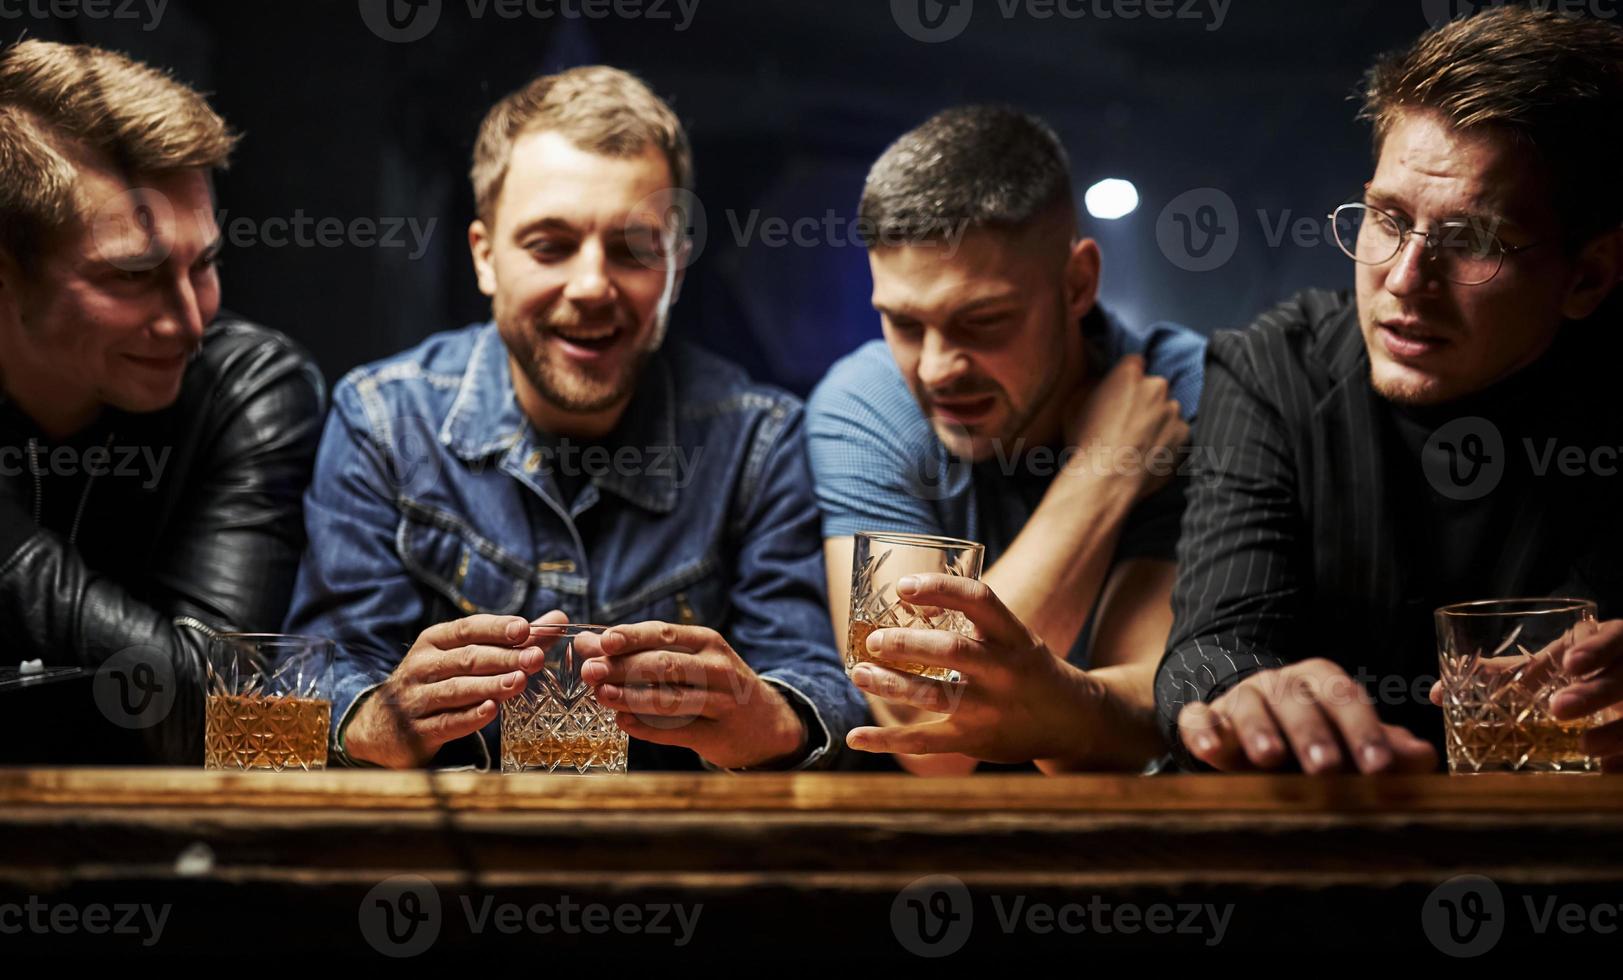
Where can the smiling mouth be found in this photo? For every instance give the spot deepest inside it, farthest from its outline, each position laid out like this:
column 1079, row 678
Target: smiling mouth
column 591, row 340
column 173, row 360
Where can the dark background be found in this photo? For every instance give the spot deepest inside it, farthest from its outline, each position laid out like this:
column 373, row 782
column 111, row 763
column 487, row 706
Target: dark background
column 787, row 104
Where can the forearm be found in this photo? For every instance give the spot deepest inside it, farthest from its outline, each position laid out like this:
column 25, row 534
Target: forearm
column 53, row 607
column 1116, row 722
column 1051, row 575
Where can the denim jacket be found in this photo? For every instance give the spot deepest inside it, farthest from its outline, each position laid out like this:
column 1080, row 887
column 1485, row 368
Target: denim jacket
column 434, row 498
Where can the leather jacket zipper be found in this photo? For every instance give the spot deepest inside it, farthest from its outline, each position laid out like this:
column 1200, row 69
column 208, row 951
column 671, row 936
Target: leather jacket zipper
column 39, row 493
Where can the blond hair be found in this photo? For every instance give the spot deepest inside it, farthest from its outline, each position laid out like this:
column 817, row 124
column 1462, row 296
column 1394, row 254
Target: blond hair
column 1551, row 81
column 58, row 101
column 602, row 110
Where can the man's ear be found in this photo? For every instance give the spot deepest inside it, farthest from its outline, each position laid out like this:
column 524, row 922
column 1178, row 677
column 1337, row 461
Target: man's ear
column 1082, row 278
column 481, row 243
column 1598, row 271
column 683, row 258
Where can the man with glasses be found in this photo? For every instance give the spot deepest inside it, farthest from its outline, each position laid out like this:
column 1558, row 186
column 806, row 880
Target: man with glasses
column 1441, row 437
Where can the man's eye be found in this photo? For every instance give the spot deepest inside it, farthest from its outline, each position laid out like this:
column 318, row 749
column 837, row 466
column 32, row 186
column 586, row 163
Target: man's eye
column 547, row 249
column 1467, row 238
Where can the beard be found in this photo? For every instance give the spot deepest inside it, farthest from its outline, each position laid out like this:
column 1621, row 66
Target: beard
column 576, row 388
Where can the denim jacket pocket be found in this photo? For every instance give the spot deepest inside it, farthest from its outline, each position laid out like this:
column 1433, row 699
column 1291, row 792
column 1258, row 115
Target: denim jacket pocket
column 693, row 595
column 470, row 571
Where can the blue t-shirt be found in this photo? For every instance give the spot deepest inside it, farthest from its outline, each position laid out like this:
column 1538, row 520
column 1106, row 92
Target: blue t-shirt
column 879, row 466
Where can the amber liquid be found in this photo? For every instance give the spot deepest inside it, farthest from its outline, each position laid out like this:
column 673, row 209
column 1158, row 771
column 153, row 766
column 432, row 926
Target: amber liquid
column 856, row 652
column 258, row 732
column 580, row 753
column 1538, row 744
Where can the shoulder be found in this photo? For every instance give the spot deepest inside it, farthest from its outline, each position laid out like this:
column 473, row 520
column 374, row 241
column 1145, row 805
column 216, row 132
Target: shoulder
column 1309, row 329
column 422, row 376
column 863, row 386
column 708, row 385
column 241, row 360
column 1171, row 351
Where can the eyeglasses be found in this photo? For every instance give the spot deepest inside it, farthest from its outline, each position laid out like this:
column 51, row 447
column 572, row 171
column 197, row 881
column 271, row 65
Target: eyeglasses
column 1463, row 252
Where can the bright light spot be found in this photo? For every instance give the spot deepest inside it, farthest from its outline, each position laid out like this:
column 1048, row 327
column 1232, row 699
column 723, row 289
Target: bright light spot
column 1111, row 199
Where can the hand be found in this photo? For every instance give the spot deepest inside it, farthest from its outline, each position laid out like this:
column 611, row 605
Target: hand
column 684, row 685
column 1018, row 702
column 1129, row 419
column 1311, row 713
column 449, row 685
column 1595, row 659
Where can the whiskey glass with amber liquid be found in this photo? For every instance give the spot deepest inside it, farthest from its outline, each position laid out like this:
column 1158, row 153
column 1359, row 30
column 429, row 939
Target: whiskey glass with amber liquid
column 880, row 560
column 556, row 724
column 268, row 703
column 1500, row 664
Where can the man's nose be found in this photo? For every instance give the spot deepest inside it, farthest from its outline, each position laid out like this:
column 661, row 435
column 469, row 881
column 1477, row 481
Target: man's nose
column 1412, row 268
column 183, row 317
column 589, row 281
column 940, row 363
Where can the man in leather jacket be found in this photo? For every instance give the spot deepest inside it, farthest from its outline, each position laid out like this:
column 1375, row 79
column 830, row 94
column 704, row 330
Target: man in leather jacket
column 153, row 453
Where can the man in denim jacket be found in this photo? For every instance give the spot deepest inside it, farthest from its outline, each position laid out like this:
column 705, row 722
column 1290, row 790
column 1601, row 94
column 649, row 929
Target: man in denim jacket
column 556, row 461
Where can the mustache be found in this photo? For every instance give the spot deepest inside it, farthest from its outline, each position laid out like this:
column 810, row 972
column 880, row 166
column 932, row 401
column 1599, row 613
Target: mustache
column 962, row 391
column 567, row 316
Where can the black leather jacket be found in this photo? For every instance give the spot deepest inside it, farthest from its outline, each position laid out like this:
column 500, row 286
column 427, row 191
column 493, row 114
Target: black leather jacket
column 127, row 544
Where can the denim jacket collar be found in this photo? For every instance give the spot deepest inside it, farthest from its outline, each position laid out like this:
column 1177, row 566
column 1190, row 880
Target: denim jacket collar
column 485, row 420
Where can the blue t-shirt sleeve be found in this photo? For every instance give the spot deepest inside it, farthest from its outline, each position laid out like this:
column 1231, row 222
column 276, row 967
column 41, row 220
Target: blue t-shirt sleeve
column 1179, row 355
column 876, row 463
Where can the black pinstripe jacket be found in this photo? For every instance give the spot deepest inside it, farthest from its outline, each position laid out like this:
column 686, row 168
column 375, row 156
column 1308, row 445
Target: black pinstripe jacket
column 1300, row 542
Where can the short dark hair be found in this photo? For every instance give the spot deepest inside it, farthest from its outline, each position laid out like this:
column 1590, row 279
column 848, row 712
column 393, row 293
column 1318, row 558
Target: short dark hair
column 1552, row 81
column 970, row 167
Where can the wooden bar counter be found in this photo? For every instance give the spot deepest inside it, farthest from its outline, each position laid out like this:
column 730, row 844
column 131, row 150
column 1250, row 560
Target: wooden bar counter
column 775, row 867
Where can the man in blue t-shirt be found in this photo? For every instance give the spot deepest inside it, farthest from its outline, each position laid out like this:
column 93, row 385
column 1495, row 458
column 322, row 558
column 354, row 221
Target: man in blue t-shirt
column 1007, row 407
